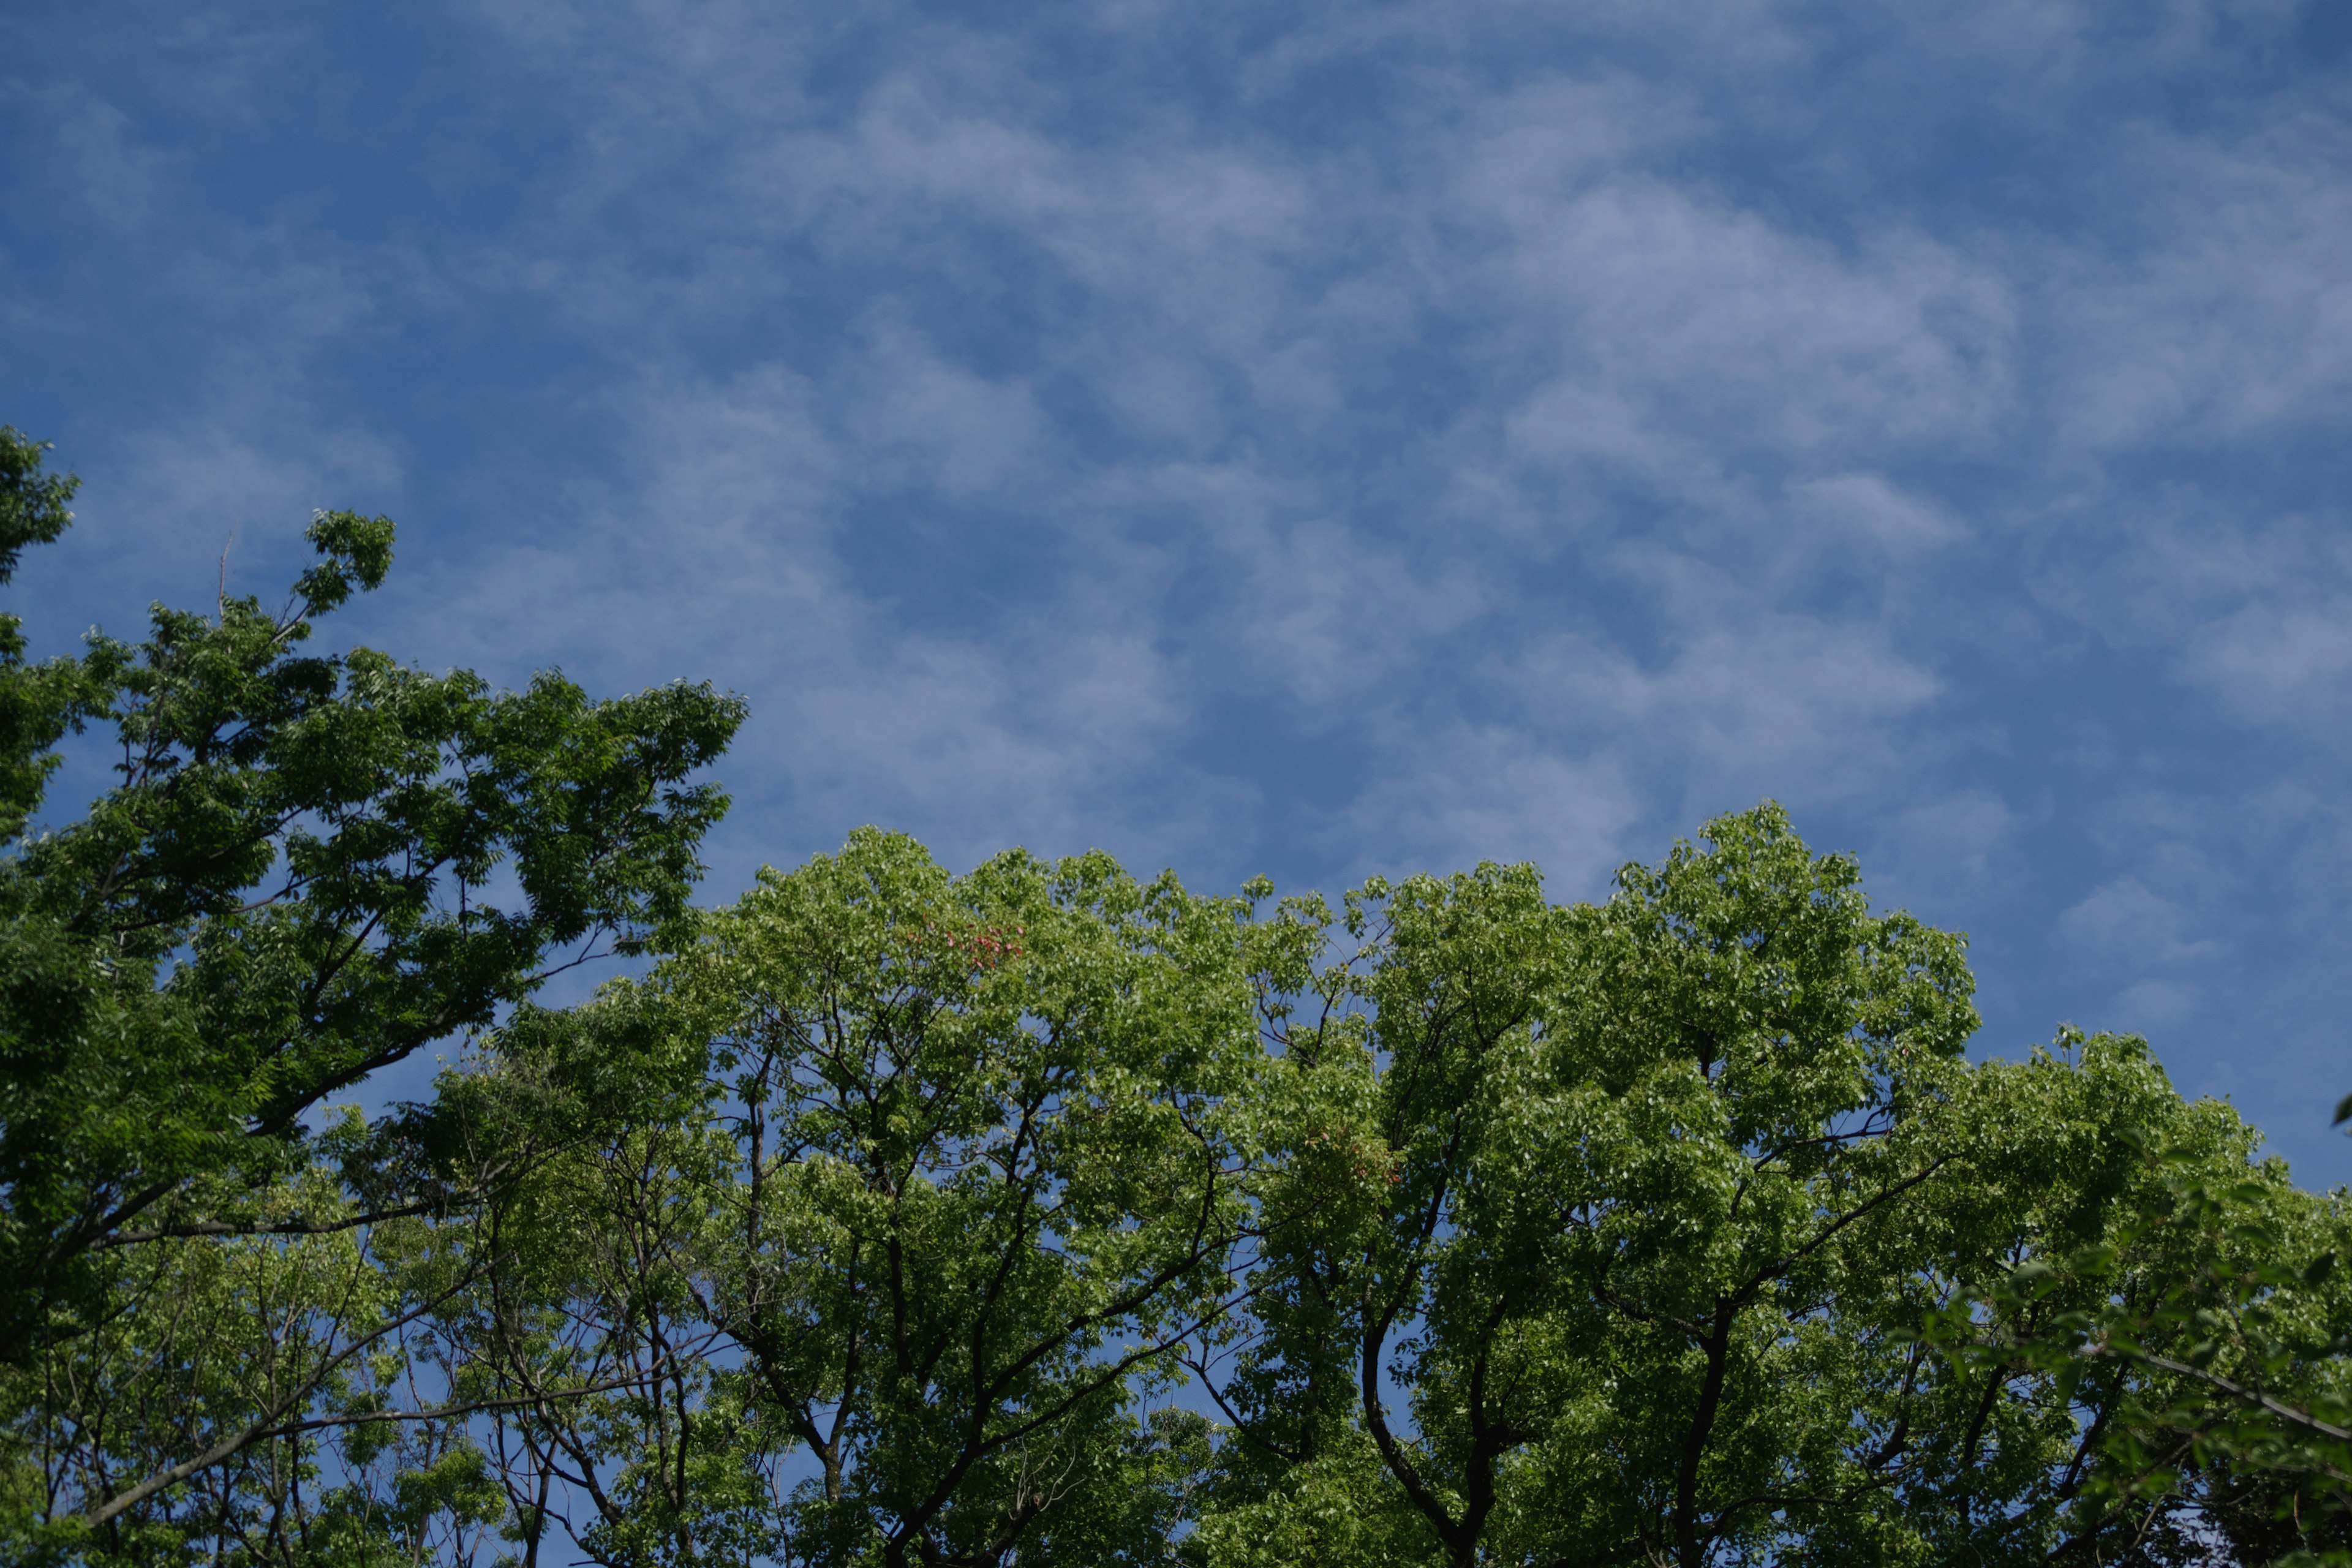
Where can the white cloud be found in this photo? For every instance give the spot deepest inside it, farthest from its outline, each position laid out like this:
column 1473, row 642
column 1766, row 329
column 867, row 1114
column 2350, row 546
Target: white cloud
column 915, row 417
column 1741, row 689
column 721, row 556
column 2257, row 615
column 1931, row 850
column 2128, row 920
column 2291, row 665
column 2232, row 315
column 1866, row 509
column 1684, row 335
column 1496, row 793
column 2151, row 1006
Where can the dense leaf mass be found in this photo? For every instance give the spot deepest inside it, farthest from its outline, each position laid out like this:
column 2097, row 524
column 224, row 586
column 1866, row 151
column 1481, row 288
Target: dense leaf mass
column 1044, row 1215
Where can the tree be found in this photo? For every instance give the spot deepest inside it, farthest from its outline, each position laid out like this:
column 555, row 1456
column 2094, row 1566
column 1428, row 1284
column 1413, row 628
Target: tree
column 309, row 867
column 2210, row 1327
column 988, row 1150
column 1636, row 1210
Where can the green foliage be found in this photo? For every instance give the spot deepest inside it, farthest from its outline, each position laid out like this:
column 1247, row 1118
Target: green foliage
column 309, row 866
column 1637, row 1211
column 290, row 886
column 2205, row 1336
column 37, row 702
column 210, row 1337
column 990, row 1147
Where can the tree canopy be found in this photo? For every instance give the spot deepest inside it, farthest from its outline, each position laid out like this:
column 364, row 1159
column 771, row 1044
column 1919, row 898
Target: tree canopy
column 1044, row 1213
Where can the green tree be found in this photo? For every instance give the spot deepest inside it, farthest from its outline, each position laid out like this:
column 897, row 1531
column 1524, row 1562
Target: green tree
column 189, row 1422
column 2204, row 1336
column 990, row 1157
column 309, row 866
column 1604, row 1234
column 615, row 1415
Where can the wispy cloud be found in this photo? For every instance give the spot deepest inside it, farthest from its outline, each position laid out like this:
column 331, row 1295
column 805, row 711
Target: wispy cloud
column 1325, row 439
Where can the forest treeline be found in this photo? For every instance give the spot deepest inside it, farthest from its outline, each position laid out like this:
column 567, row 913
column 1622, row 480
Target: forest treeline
column 1044, row 1215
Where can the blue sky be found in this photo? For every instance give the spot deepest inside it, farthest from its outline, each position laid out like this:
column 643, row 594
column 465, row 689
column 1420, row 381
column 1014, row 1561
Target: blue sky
column 1310, row 439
